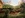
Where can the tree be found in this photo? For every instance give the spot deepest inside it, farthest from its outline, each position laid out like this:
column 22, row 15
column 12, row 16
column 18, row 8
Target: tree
column 7, row 6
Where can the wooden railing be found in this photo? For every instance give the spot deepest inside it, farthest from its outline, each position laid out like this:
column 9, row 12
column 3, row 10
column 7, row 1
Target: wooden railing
column 17, row 11
column 1, row 11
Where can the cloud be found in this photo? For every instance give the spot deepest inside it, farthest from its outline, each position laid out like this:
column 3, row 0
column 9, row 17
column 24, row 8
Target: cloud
column 15, row 2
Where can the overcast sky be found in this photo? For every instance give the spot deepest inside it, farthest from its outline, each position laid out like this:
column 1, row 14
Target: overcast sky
column 13, row 2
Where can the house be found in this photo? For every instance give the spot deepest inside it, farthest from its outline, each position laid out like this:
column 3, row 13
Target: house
column 1, row 4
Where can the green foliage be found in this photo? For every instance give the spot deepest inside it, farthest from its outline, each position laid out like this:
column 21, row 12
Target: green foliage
column 7, row 6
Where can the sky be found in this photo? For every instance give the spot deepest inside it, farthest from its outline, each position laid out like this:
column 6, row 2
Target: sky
column 13, row 2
